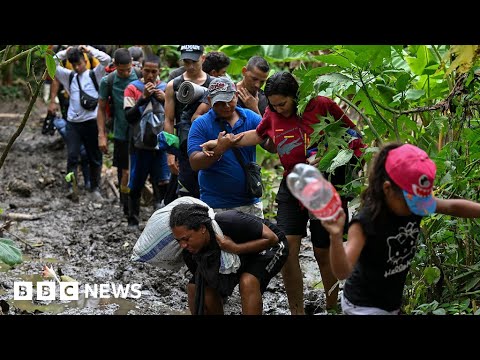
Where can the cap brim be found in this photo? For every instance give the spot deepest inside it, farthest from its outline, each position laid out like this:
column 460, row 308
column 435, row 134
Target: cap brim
column 420, row 205
column 223, row 96
column 190, row 56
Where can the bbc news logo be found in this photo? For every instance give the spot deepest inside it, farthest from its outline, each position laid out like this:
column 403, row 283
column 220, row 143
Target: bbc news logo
column 46, row 290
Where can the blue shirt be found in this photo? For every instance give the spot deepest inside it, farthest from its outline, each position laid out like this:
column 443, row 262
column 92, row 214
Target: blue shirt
column 222, row 185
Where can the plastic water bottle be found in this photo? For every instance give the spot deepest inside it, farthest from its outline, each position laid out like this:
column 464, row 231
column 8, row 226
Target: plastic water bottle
column 316, row 193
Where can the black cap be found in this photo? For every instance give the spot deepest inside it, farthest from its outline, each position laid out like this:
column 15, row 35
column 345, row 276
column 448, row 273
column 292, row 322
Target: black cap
column 190, row 52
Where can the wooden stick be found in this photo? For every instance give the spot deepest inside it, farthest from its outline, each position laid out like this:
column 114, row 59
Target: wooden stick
column 114, row 188
column 19, row 216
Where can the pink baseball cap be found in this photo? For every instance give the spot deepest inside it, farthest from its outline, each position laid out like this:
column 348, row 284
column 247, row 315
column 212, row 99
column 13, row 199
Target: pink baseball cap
column 414, row 172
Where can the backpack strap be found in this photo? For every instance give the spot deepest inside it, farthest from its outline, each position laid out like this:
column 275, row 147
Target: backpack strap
column 90, row 60
column 94, row 79
column 110, row 79
column 138, row 72
column 70, row 78
column 177, row 82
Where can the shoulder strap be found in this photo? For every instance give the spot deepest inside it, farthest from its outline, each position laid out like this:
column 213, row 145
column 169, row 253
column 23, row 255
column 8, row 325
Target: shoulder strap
column 78, row 82
column 90, row 60
column 138, row 72
column 110, row 79
column 234, row 149
column 177, row 81
column 70, row 78
column 94, row 79
column 209, row 79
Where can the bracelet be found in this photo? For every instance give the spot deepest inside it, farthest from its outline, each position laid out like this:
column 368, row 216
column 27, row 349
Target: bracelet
column 220, row 157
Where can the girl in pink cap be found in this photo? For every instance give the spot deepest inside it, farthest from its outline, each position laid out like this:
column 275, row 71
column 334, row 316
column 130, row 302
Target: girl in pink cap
column 382, row 237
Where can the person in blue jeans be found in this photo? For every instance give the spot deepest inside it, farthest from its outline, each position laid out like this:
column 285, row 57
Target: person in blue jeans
column 61, row 124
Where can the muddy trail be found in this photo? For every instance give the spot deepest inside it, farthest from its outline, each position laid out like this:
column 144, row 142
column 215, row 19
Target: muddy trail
column 89, row 240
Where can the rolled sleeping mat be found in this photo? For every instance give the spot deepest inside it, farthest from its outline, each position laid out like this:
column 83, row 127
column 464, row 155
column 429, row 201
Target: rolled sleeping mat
column 189, row 92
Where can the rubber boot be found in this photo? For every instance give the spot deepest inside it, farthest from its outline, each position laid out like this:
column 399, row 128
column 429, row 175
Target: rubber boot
column 95, row 177
column 133, row 210
column 124, row 191
column 159, row 192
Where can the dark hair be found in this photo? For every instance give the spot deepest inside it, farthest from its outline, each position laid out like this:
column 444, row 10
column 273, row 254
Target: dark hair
column 192, row 216
column 74, row 55
column 122, row 56
column 373, row 197
column 281, row 83
column 258, row 62
column 151, row 58
column 136, row 52
column 215, row 60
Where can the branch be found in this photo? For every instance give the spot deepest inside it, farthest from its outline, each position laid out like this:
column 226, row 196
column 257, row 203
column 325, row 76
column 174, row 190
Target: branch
column 370, row 125
column 442, row 64
column 440, row 105
column 364, row 88
column 18, row 56
column 24, row 120
column 7, row 50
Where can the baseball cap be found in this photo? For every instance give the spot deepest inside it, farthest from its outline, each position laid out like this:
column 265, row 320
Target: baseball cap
column 190, row 52
column 414, row 172
column 221, row 89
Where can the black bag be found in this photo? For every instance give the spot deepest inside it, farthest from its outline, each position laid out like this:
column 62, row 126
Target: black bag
column 86, row 101
column 253, row 175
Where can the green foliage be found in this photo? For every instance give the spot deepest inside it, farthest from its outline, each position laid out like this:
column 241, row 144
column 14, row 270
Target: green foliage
column 9, row 253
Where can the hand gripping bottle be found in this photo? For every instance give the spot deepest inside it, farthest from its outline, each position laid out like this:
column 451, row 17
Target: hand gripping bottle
column 316, row 193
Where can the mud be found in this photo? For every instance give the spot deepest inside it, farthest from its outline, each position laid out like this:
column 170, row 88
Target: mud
column 89, row 240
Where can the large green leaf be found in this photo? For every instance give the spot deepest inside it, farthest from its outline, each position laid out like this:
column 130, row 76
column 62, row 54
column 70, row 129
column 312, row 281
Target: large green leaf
column 327, row 159
column 432, row 275
column 424, row 63
column 402, row 82
column 342, row 158
column 370, row 55
column 414, row 94
column 280, row 53
column 406, row 123
column 322, row 70
column 9, row 253
column 335, row 82
column 242, row 51
column 51, row 66
column 335, row 60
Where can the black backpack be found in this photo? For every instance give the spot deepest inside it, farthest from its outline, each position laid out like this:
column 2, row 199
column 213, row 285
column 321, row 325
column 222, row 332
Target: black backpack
column 110, row 79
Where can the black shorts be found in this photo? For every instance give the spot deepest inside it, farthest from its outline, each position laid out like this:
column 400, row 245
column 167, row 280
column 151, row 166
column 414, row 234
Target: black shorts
column 120, row 154
column 292, row 218
column 264, row 265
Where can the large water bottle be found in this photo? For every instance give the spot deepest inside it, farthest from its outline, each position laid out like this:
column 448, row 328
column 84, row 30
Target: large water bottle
column 316, row 193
